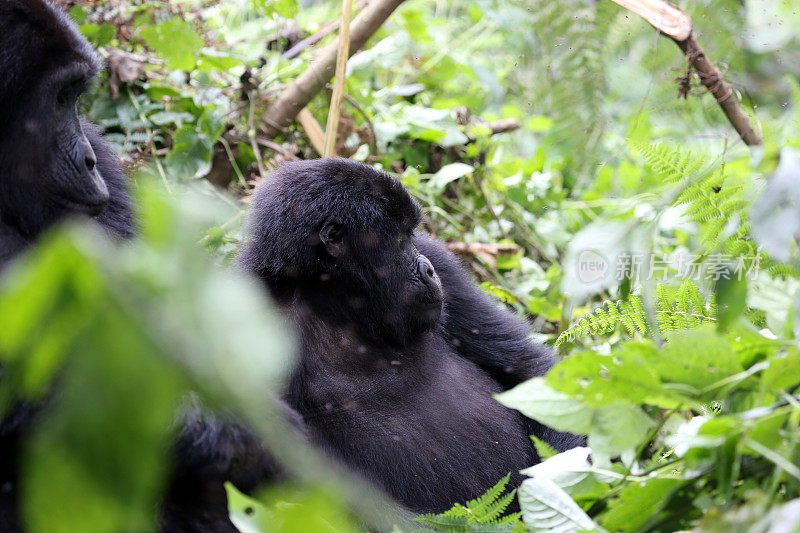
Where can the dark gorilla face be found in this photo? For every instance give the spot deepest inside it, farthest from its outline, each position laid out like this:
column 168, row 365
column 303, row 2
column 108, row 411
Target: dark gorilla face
column 68, row 176
column 389, row 290
column 48, row 165
column 335, row 236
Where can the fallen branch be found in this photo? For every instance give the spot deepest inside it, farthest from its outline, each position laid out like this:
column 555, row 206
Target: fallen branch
column 677, row 25
column 313, row 130
column 503, row 126
column 486, row 252
column 282, row 112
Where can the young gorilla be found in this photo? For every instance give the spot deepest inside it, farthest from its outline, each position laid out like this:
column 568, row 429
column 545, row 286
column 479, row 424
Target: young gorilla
column 400, row 352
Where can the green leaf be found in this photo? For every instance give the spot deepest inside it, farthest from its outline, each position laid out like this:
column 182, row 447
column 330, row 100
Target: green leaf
column 191, row 154
column 535, row 399
column 175, row 41
column 546, row 507
column 696, row 358
column 600, row 379
column 637, row 503
column 99, row 35
column 731, row 300
column 783, row 372
column 571, row 471
column 543, row 449
column 247, row 514
column 284, row 8
column 612, row 428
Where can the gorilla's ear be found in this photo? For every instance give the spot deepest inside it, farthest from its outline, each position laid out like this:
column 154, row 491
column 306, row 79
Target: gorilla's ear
column 332, row 237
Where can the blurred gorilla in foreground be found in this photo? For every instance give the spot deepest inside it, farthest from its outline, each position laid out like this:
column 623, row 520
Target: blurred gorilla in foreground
column 53, row 164
column 400, row 352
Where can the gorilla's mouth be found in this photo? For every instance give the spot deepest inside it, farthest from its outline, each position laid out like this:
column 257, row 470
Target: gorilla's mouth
column 85, row 206
column 429, row 303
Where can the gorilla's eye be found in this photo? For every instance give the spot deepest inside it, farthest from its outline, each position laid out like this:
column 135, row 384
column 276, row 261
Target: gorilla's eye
column 70, row 91
column 62, row 97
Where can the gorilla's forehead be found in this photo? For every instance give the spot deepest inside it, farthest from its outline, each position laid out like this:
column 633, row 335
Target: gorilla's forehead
column 354, row 192
column 52, row 40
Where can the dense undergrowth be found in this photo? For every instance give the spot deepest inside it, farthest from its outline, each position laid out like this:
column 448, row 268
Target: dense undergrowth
column 633, row 228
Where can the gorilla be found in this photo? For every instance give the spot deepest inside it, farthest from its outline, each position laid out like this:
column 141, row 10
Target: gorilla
column 53, row 164
column 400, row 352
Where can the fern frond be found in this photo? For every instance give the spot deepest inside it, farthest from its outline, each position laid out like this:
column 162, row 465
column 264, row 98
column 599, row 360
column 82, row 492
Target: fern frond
column 484, row 513
column 686, row 309
column 479, row 504
column 670, row 164
column 605, row 319
column 710, row 197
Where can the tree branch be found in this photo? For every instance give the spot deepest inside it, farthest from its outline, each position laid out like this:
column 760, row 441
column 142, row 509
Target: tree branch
column 299, row 93
column 317, row 37
column 677, row 25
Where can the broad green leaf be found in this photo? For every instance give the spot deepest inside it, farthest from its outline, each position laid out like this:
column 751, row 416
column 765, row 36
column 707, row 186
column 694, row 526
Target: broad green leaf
column 283, row 8
column 175, row 41
column 612, row 428
column 696, row 358
column 535, row 399
column 246, row 513
column 637, row 503
column 600, row 379
column 571, row 471
column 546, row 507
column 783, row 372
column 191, row 154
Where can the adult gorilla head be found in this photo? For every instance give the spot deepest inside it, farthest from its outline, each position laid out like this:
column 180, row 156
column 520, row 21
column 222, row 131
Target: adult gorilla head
column 338, row 236
column 48, row 166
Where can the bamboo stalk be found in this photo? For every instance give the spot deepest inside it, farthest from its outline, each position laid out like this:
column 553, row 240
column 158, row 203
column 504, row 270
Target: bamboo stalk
column 338, row 85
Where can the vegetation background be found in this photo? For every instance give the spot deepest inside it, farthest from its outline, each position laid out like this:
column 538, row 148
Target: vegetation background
column 541, row 138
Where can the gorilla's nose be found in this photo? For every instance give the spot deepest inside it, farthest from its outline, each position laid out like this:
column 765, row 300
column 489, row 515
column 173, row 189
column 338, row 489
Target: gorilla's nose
column 427, row 273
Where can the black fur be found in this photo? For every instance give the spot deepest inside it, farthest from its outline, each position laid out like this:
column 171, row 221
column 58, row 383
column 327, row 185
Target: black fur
column 45, row 168
column 45, row 145
column 395, row 377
